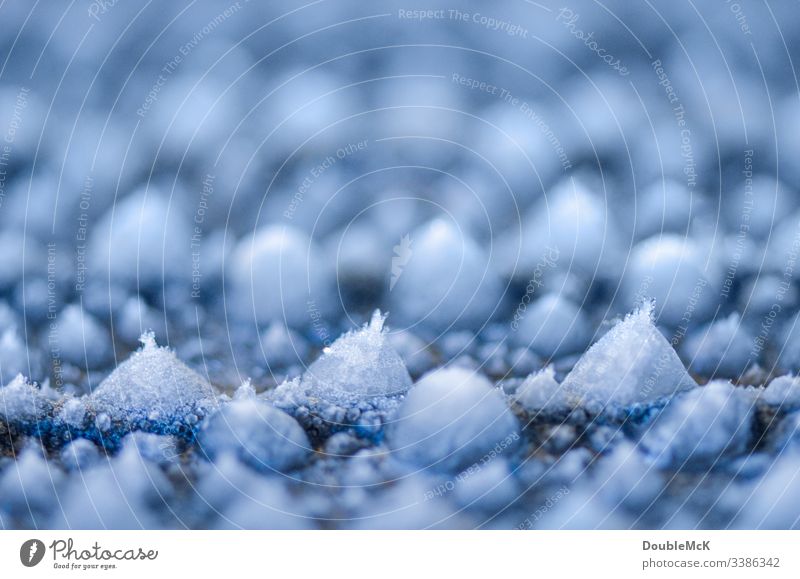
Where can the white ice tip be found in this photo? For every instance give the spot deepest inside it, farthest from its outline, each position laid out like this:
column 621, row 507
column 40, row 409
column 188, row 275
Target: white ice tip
column 377, row 321
column 646, row 309
column 245, row 391
column 148, row 340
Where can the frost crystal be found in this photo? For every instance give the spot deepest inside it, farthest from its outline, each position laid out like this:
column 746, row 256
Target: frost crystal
column 361, row 364
column 450, row 419
column 492, row 487
column 22, row 402
column 260, row 435
column 116, row 493
column 624, row 477
column 774, row 502
column 152, row 386
column 73, row 412
column 541, row 392
column 30, row 485
column 632, row 364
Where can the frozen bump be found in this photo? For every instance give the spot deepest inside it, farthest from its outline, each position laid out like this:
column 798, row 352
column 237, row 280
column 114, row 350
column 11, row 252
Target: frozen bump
column 782, row 393
column 257, row 433
column 632, row 364
column 540, row 392
column 82, row 341
column 143, row 240
column 361, row 364
column 552, row 326
column 702, row 427
column 569, row 229
column 446, row 280
column 722, row 349
column 274, row 274
column 22, row 402
column 673, row 270
column 153, row 387
column 452, row 418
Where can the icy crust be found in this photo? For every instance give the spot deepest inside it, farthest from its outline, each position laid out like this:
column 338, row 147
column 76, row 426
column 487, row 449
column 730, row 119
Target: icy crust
column 633, row 364
column 258, row 434
column 24, row 404
column 321, row 419
column 357, row 383
column 360, row 365
column 125, row 491
column 29, row 487
column 151, row 390
column 540, row 393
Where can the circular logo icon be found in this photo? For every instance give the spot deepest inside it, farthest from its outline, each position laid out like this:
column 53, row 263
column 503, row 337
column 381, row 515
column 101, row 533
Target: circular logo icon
column 31, row 553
